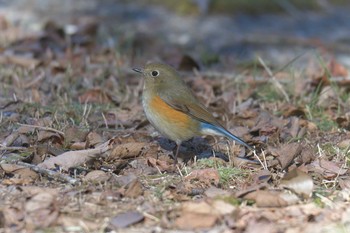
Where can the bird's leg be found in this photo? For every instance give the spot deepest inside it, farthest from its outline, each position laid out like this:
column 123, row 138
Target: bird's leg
column 178, row 144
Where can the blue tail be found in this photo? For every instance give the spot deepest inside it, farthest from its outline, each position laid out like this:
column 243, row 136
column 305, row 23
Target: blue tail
column 207, row 128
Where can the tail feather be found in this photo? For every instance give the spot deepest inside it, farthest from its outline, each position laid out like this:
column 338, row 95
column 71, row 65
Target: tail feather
column 216, row 130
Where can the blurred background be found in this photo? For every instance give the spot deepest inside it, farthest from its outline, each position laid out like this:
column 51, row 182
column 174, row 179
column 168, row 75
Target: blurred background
column 210, row 32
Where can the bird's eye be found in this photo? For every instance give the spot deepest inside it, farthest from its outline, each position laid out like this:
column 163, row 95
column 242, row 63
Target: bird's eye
column 155, row 73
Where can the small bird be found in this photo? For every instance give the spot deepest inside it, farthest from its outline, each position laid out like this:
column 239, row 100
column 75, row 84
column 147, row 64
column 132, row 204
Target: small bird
column 172, row 108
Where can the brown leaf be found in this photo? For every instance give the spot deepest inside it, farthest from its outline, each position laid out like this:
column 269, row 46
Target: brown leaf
column 298, row 181
column 207, row 176
column 44, row 135
column 134, row 189
column 222, row 208
column 290, row 110
column 41, row 210
column 287, row 153
column 307, row 155
column 344, row 144
column 332, row 167
column 125, row 179
column 161, row 165
column 262, row 176
column 10, row 139
column 27, row 62
column 78, row 146
column 337, row 69
column 295, row 127
column 95, row 96
column 97, row 176
column 201, row 207
column 74, row 134
column 126, row 219
column 93, row 139
column 216, row 192
column 127, row 150
column 194, row 221
column 21, row 175
column 264, row 198
column 75, row 158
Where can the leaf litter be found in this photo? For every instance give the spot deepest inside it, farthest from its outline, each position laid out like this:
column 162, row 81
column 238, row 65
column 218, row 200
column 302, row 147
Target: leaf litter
column 77, row 153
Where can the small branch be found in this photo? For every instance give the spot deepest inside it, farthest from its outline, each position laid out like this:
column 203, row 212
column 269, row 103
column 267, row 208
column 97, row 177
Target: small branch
column 43, row 128
column 12, row 148
column 50, row 173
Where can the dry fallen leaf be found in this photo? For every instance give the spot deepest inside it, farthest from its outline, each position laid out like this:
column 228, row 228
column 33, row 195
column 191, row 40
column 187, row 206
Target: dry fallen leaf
column 298, row 181
column 20, row 175
column 126, row 219
column 328, row 169
column 75, row 158
column 95, row 96
column 127, row 150
column 41, row 210
column 194, row 221
column 97, row 176
column 287, row 153
column 161, row 165
column 264, row 198
column 133, row 189
column 207, row 176
column 216, row 192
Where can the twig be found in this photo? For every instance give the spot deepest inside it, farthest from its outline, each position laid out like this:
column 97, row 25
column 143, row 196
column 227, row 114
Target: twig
column 11, row 148
column 263, row 153
column 262, row 164
column 179, row 171
column 50, row 173
column 274, row 80
column 152, row 217
column 43, row 128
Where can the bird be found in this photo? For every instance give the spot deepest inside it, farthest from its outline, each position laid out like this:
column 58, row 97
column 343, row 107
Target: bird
column 172, row 108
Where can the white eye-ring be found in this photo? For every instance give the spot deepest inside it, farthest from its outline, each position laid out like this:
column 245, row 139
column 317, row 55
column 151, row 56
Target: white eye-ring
column 155, row 73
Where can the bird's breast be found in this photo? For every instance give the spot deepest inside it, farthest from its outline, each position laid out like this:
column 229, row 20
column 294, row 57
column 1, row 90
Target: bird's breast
column 173, row 124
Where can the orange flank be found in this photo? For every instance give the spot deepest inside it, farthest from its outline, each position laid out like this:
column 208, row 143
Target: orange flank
column 168, row 114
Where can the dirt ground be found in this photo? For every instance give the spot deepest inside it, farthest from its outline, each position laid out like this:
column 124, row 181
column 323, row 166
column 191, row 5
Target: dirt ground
column 77, row 153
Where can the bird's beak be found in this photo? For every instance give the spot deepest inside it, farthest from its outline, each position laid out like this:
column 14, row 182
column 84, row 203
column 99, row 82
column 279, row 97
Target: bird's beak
column 138, row 70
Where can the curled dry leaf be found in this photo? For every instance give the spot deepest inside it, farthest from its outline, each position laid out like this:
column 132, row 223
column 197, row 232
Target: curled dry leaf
column 127, row 150
column 133, row 189
column 287, row 153
column 307, row 155
column 265, row 198
column 344, row 144
column 93, row 139
column 197, row 207
column 160, row 164
column 192, row 221
column 216, row 192
column 95, row 96
column 328, row 169
column 202, row 214
column 75, row 158
column 207, row 176
column 44, row 135
column 20, row 175
column 97, row 176
column 299, row 182
column 74, row 134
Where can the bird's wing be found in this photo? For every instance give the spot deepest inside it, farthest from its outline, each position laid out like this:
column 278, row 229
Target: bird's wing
column 190, row 106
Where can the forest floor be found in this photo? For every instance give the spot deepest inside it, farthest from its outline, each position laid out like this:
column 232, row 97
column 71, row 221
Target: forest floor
column 78, row 155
